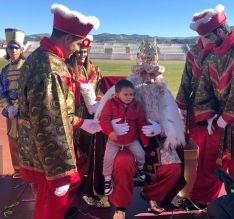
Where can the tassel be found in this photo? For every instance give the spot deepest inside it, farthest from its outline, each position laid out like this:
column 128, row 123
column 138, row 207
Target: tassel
column 229, row 142
column 220, row 153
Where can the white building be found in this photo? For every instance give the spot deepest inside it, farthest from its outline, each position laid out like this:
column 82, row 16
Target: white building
column 128, row 51
column 120, row 51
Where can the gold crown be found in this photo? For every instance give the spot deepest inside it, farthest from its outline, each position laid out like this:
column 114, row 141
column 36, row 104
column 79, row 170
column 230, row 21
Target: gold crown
column 148, row 53
column 147, row 59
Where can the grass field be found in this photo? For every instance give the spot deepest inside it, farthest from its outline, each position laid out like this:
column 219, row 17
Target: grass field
column 172, row 75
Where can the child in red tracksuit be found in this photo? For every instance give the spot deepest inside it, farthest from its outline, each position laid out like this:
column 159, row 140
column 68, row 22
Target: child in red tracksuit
column 125, row 107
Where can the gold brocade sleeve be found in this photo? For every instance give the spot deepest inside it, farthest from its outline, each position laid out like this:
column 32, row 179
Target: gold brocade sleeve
column 51, row 117
column 185, row 88
column 228, row 111
column 205, row 103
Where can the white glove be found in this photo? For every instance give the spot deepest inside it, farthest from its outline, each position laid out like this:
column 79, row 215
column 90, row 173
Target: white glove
column 61, row 191
column 91, row 126
column 120, row 128
column 152, row 130
column 89, row 96
column 221, row 122
column 210, row 127
column 12, row 112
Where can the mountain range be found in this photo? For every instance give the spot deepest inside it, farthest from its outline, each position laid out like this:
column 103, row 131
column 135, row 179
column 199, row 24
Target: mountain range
column 124, row 38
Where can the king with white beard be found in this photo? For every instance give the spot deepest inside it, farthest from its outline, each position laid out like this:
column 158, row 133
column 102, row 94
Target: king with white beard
column 163, row 162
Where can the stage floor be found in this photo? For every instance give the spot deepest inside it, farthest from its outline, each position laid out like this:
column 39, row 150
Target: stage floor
column 14, row 190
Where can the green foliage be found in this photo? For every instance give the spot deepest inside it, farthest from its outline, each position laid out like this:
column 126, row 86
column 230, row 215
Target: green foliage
column 114, row 67
column 172, row 75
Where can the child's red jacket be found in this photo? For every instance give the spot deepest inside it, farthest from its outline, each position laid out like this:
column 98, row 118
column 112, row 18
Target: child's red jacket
column 133, row 114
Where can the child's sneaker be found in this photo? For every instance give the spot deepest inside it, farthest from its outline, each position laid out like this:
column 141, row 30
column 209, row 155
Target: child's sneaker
column 119, row 215
column 108, row 187
column 141, row 174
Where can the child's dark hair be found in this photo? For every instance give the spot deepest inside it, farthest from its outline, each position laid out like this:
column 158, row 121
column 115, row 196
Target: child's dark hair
column 123, row 83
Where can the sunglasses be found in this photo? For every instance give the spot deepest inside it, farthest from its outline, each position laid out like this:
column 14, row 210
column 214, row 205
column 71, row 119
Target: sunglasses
column 11, row 47
column 81, row 52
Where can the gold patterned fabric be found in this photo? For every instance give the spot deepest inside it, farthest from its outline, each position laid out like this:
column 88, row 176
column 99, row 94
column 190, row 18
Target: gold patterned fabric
column 191, row 75
column 47, row 107
column 189, row 79
column 215, row 94
column 9, row 84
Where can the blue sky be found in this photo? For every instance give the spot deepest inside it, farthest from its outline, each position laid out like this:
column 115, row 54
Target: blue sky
column 167, row 18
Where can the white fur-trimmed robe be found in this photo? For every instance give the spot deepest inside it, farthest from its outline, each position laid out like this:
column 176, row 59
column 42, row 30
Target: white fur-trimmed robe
column 159, row 106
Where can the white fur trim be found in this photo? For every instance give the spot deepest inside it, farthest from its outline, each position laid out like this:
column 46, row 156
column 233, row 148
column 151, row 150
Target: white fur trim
column 156, row 69
column 210, row 13
column 89, row 96
column 172, row 123
column 159, row 106
column 90, row 37
column 66, row 12
column 108, row 95
column 219, row 8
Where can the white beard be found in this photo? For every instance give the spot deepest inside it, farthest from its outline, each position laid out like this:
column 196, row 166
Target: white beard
column 148, row 95
column 159, row 106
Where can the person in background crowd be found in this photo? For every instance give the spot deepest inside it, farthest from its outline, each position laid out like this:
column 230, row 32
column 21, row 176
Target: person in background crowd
column 214, row 104
column 9, row 84
column 46, row 102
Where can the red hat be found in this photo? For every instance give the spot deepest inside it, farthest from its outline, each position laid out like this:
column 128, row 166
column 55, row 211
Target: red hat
column 73, row 22
column 86, row 42
column 208, row 20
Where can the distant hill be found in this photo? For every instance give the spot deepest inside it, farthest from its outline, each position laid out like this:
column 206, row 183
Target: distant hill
column 124, row 38
column 107, row 37
column 35, row 37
